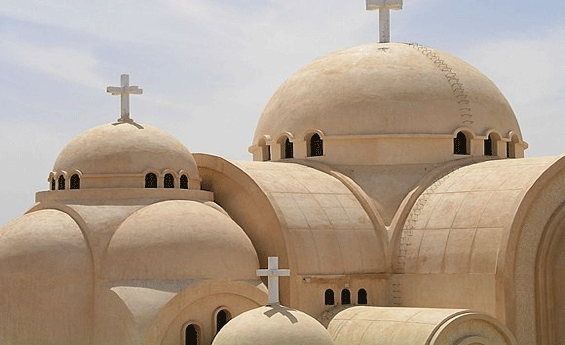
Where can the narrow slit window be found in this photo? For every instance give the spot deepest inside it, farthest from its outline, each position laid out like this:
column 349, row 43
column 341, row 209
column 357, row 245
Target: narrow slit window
column 329, row 297
column 460, row 146
column 61, row 182
column 151, row 180
column 169, row 181
column 53, row 183
column 316, row 148
column 345, row 297
column 184, row 182
column 362, row 296
column 222, row 318
column 488, row 146
column 191, row 335
column 75, row 181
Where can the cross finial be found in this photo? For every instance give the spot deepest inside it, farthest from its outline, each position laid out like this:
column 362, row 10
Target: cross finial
column 273, row 273
column 124, row 91
column 384, row 7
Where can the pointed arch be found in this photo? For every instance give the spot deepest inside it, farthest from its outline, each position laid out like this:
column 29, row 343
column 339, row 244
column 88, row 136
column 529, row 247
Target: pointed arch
column 183, row 182
column 75, row 181
column 61, row 182
column 222, row 317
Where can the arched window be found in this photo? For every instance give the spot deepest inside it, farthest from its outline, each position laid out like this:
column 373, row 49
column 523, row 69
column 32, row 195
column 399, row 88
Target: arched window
column 345, row 297
column 191, row 335
column 316, row 146
column 184, row 182
column 169, row 181
column 329, row 297
column 151, row 180
column 362, row 296
column 222, row 317
column 53, row 183
column 265, row 150
column 489, row 146
column 75, row 181
column 460, row 144
column 61, row 183
column 511, row 147
column 287, row 149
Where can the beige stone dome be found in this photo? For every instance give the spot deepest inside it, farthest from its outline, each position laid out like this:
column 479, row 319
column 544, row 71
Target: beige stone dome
column 46, row 280
column 180, row 239
column 391, row 88
column 125, row 148
column 275, row 325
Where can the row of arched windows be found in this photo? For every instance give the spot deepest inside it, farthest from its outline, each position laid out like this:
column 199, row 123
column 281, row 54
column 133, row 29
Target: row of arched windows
column 329, row 298
column 60, row 182
column 462, row 145
column 168, row 181
column 193, row 332
column 314, row 141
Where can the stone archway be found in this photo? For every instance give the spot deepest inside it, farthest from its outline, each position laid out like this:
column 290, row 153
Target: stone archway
column 550, row 279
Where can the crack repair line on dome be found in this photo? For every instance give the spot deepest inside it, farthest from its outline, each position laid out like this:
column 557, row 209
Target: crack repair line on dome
column 454, row 83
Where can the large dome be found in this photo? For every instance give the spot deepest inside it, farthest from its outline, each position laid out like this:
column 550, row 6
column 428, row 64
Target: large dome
column 386, row 89
column 125, row 148
column 273, row 325
column 180, row 239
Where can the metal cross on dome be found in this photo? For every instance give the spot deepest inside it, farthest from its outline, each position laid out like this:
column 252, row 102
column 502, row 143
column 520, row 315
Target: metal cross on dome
column 124, row 91
column 273, row 273
column 384, row 7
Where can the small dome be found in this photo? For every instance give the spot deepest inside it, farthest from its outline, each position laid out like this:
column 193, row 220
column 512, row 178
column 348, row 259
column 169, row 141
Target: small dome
column 181, row 239
column 389, row 90
column 125, row 148
column 276, row 325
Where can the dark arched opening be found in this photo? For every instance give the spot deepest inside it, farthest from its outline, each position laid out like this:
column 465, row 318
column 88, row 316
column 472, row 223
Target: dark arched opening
column 316, row 146
column 362, row 296
column 329, row 297
column 184, row 182
column 53, row 183
column 460, row 146
column 61, row 182
column 488, row 146
column 169, row 181
column 222, row 317
column 511, row 147
column 345, row 296
column 288, row 149
column 191, row 336
column 151, row 180
column 75, row 182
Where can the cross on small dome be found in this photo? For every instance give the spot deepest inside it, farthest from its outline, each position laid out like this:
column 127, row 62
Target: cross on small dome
column 124, row 91
column 384, row 7
column 273, row 273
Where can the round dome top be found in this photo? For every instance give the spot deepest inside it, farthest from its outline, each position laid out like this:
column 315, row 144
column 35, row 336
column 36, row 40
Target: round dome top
column 180, row 239
column 273, row 325
column 391, row 88
column 125, row 148
column 47, row 245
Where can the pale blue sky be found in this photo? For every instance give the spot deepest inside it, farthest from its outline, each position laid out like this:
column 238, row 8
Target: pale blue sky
column 209, row 67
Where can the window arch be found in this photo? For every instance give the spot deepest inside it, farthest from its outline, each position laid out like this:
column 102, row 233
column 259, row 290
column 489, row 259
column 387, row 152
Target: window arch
column 192, row 335
column 511, row 147
column 169, row 181
column 61, row 183
column 222, row 318
column 345, row 296
column 183, row 182
column 75, row 181
column 362, row 296
column 329, row 297
column 151, row 180
column 460, row 144
column 315, row 146
column 53, row 183
column 287, row 148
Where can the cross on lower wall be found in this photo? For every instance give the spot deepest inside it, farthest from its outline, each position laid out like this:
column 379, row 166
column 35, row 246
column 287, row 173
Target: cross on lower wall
column 384, row 7
column 124, row 91
column 273, row 273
